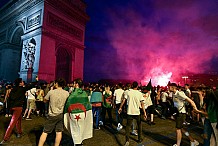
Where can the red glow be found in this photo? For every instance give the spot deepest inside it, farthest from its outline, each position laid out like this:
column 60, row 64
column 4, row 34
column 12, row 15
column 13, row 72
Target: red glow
column 159, row 78
column 171, row 42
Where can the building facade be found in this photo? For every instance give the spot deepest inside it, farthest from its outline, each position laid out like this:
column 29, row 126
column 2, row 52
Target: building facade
column 43, row 38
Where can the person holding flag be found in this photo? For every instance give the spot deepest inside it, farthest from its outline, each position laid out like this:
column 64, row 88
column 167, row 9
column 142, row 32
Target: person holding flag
column 78, row 118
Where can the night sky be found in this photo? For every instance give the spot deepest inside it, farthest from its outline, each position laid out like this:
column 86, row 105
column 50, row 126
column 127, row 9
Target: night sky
column 3, row 2
column 143, row 39
column 157, row 39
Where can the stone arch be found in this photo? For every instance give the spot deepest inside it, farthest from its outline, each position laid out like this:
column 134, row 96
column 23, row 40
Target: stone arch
column 17, row 27
column 15, row 47
column 15, row 38
column 64, row 60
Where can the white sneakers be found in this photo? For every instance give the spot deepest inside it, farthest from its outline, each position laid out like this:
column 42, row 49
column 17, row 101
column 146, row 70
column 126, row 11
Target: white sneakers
column 194, row 143
column 134, row 132
column 119, row 127
column 186, row 123
column 8, row 115
column 101, row 123
column 127, row 143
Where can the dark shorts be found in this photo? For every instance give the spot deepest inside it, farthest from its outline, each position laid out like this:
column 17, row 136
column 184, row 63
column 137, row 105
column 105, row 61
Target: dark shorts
column 180, row 119
column 54, row 123
column 150, row 109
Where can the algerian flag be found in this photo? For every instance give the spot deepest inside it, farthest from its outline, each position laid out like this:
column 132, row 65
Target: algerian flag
column 78, row 118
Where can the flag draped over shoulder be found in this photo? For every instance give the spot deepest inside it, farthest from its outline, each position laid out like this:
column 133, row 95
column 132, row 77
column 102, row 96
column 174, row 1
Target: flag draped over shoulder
column 78, row 118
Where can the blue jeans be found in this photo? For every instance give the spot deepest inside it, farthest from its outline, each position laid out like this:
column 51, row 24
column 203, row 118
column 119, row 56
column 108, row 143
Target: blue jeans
column 96, row 111
column 208, row 130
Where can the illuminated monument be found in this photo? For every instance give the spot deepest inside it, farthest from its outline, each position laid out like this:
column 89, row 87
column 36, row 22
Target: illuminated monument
column 42, row 37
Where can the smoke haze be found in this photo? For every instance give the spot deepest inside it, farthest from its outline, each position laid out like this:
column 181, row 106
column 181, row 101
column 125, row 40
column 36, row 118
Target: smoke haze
column 155, row 39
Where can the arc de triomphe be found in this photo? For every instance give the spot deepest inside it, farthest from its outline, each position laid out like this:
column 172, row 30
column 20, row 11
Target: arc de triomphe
column 44, row 38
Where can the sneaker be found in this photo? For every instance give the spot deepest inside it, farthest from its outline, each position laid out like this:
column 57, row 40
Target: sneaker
column 101, row 123
column 175, row 145
column 127, row 143
column 10, row 115
column 97, row 128
column 172, row 118
column 186, row 123
column 162, row 117
column 6, row 115
column 19, row 135
column 194, row 143
column 3, row 142
column 29, row 118
column 119, row 127
column 134, row 133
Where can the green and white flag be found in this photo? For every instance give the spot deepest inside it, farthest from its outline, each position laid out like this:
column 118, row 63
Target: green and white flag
column 78, row 118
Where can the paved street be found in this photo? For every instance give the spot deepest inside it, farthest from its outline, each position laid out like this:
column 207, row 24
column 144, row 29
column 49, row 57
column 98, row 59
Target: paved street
column 161, row 134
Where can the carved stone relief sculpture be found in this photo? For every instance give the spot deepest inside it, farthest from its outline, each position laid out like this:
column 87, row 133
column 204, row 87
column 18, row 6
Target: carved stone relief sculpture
column 29, row 53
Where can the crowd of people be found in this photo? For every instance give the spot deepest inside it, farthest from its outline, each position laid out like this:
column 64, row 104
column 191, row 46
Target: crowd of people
column 83, row 107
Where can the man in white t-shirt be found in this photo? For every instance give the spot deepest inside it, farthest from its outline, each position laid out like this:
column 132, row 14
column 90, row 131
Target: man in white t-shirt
column 135, row 103
column 178, row 99
column 163, row 98
column 118, row 94
column 31, row 105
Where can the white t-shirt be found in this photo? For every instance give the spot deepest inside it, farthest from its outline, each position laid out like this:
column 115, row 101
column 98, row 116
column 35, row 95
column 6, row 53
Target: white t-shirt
column 125, row 94
column 147, row 100
column 134, row 99
column 178, row 99
column 164, row 96
column 31, row 93
column 118, row 93
column 188, row 92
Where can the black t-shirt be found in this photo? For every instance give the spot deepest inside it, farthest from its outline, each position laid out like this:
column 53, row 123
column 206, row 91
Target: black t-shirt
column 17, row 97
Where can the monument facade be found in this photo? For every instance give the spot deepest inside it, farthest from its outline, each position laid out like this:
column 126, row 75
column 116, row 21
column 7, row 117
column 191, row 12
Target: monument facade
column 43, row 38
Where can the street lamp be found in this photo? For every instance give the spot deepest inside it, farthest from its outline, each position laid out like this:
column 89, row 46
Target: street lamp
column 185, row 78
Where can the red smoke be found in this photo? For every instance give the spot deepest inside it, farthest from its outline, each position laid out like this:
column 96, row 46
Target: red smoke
column 176, row 38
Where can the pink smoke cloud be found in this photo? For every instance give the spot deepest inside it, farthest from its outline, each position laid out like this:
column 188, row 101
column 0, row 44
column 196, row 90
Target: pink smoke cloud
column 174, row 40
